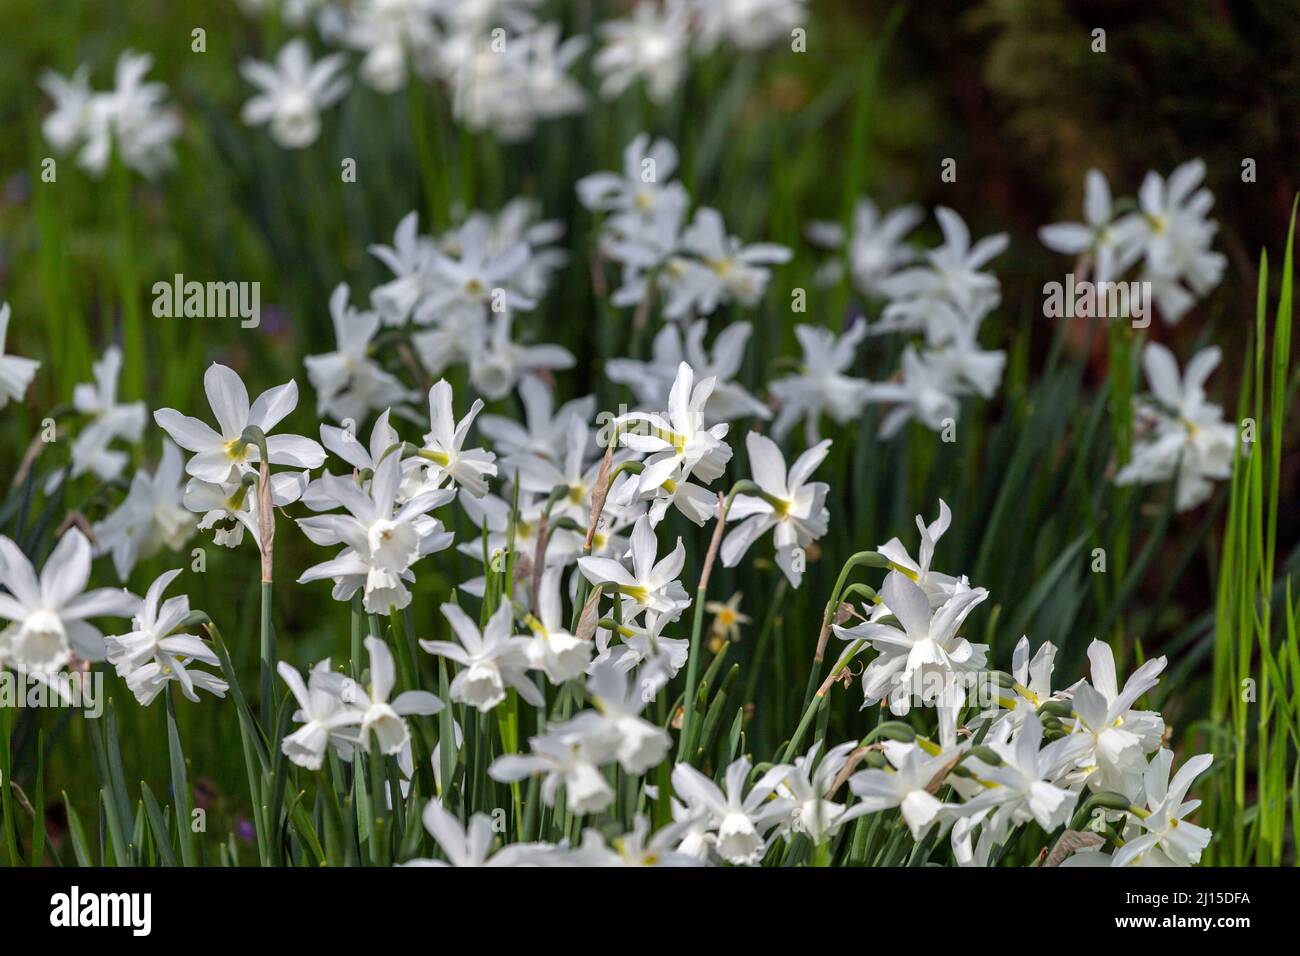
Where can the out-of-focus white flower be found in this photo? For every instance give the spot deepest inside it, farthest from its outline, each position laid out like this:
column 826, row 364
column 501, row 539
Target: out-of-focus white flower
column 397, row 36
column 376, row 715
column 49, row 614
column 154, row 653
column 748, row 24
column 926, row 392
column 545, row 429
column 493, row 659
column 1182, row 434
column 107, row 420
column 223, row 456
column 633, row 848
column 16, row 372
column 789, row 505
column 349, row 383
column 1110, row 242
column 642, row 195
column 639, row 745
column 1174, row 232
column 293, row 91
column 444, row 450
column 820, row 385
column 875, row 249
column 151, row 517
column 741, row 820
column 497, row 365
column 722, row 270
column 472, row 845
column 652, row 380
column 650, row 45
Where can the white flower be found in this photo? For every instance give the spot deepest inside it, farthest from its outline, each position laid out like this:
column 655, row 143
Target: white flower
column 74, row 110
column 723, row 270
column 349, row 383
column 150, row 518
column 650, row 45
column 876, row 248
column 292, row 92
column 1169, row 840
column 376, row 715
column 49, row 614
column 633, row 849
column 938, row 587
column 568, row 754
column 741, row 820
column 498, row 363
column 492, row 660
column 396, row 35
column 650, row 583
column 545, row 429
column 472, row 845
column 820, row 385
column 922, row 655
column 1119, row 737
column 1108, row 241
column 324, row 717
column 652, row 380
column 909, row 784
column 16, row 372
column 1174, row 232
column 154, row 654
column 789, row 505
column 926, row 393
column 222, row 456
column 444, row 446
column 553, row 650
column 382, row 539
column 809, row 786
column 643, row 645
column 642, row 195
column 231, row 508
column 748, row 24
column 679, row 446
column 107, row 420
column 1184, row 435
column 640, row 744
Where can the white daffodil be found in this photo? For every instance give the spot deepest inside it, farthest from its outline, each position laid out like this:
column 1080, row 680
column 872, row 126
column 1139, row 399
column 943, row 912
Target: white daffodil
column 396, row 36
column 1108, row 241
column 325, row 718
column 640, row 744
column 633, row 848
column 741, row 820
column 643, row 645
column 377, row 716
column 343, row 442
column 925, row 392
column 1165, row 837
column 49, row 614
column 937, row 587
column 444, row 446
column 568, row 755
column 643, row 194
column 909, row 783
column 1026, row 779
column 820, row 385
column 553, row 650
column 16, row 372
column 1174, row 232
column 492, row 660
column 875, row 247
column 293, row 91
column 679, row 446
column 650, row 583
column 472, row 845
column 154, row 653
column 222, row 456
column 150, row 518
column 789, row 505
column 106, row 420
column 809, row 786
column 382, row 539
column 1182, row 435
column 723, row 270
column 652, row 380
column 920, row 657
column 747, row 24
column 498, row 363
column 349, row 383
column 229, row 509
column 650, row 45
column 1119, row 737
column 545, row 429
column 410, row 259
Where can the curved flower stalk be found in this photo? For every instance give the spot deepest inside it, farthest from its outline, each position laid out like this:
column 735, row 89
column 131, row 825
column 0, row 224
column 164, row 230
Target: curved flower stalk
column 292, row 92
column 157, row 652
column 787, row 504
column 1183, row 435
column 49, row 614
